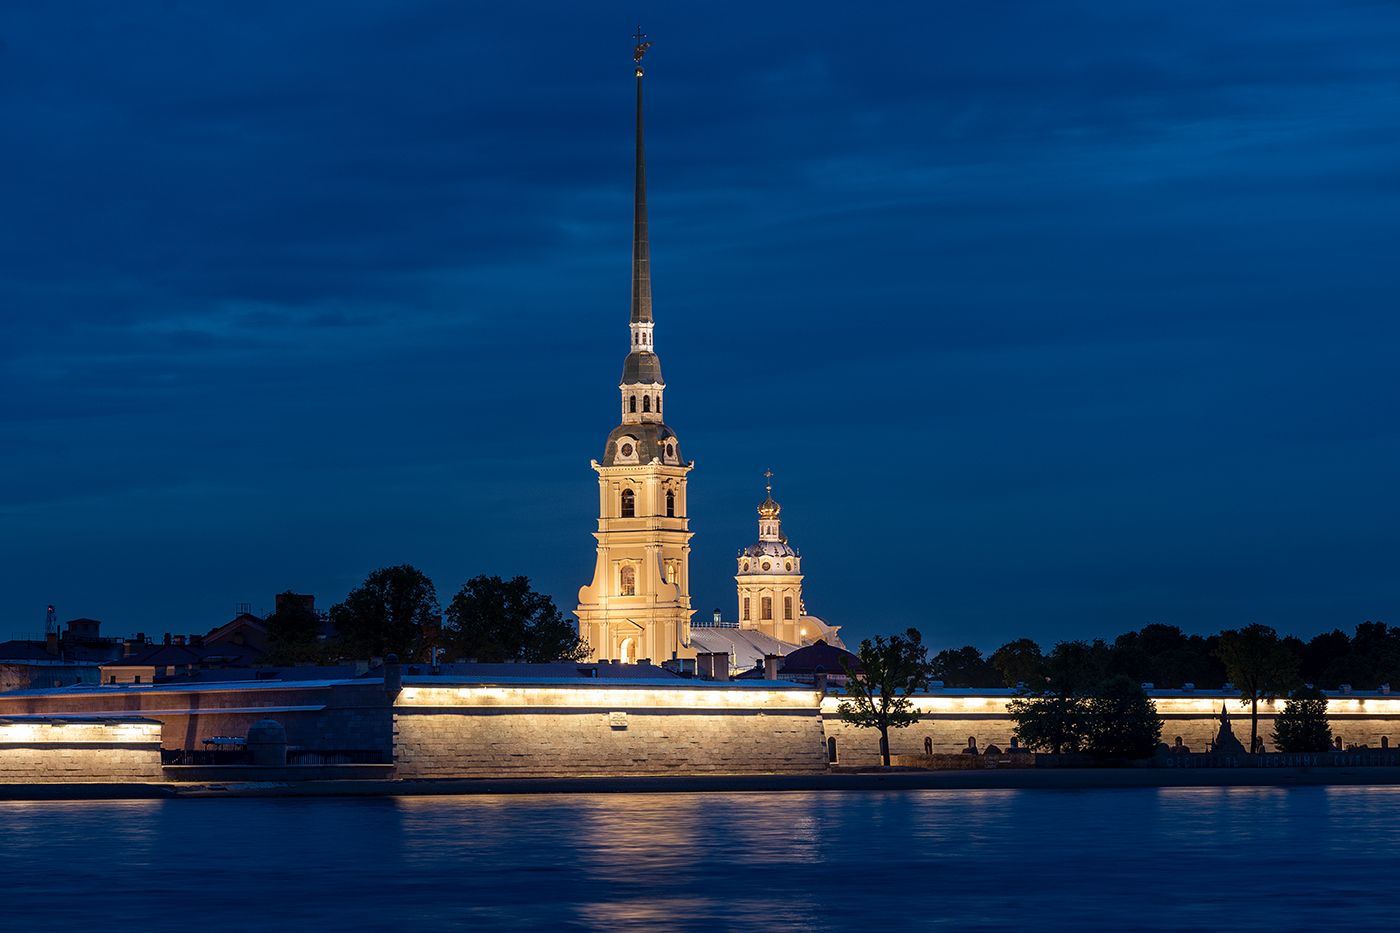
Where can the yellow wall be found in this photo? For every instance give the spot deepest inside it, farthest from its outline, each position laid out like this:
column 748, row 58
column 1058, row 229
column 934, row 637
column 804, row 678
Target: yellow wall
column 76, row 752
column 529, row 730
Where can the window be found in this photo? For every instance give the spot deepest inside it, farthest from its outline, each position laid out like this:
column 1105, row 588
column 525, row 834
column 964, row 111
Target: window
column 746, row 608
column 670, row 448
column 629, row 580
column 629, row 504
column 788, row 565
column 831, row 750
column 646, row 403
column 767, row 606
column 787, row 607
column 767, row 565
column 632, row 404
column 136, row 679
column 658, row 404
column 670, row 504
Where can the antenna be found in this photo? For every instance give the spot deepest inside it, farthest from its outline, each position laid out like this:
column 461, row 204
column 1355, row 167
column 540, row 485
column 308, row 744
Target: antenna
column 51, row 622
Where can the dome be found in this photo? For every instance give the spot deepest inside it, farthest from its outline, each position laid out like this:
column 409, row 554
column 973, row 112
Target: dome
column 769, row 549
column 642, row 367
column 768, row 508
column 649, row 441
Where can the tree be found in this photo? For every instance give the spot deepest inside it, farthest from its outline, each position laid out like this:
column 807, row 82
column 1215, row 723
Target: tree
column 1077, row 667
column 1260, row 667
column 491, row 619
column 892, row 669
column 1019, row 662
column 1122, row 721
column 963, row 667
column 294, row 632
column 394, row 611
column 1050, row 722
column 1303, row 726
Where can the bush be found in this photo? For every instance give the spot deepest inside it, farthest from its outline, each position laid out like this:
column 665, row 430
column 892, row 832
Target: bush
column 1303, row 726
column 1122, row 721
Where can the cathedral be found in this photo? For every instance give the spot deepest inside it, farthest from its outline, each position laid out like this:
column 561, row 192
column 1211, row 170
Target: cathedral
column 638, row 605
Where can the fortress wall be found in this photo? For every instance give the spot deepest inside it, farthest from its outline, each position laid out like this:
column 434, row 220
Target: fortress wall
column 528, row 731
column 950, row 719
column 49, row 750
column 317, row 715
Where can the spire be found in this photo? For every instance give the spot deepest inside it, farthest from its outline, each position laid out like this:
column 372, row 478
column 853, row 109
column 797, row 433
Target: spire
column 641, row 253
column 768, row 511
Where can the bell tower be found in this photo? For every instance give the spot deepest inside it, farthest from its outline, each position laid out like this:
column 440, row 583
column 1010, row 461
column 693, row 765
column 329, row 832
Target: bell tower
column 769, row 579
column 638, row 605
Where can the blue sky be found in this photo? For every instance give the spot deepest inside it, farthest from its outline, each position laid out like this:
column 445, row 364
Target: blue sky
column 1051, row 319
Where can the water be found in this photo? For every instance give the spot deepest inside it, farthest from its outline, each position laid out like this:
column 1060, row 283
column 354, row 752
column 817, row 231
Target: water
column 1169, row 859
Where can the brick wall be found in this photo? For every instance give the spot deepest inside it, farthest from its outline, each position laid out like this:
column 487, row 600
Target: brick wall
column 526, row 731
column 72, row 752
column 950, row 719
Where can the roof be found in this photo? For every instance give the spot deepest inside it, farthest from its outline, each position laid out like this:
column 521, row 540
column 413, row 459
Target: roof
column 184, row 655
column 746, row 647
column 819, row 658
column 19, row 651
column 650, row 439
column 642, row 367
column 561, row 669
column 770, row 549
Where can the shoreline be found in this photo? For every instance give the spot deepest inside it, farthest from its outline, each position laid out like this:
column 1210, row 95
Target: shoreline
column 1062, row 779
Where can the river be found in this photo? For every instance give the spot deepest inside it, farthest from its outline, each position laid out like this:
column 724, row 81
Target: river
column 1140, row 859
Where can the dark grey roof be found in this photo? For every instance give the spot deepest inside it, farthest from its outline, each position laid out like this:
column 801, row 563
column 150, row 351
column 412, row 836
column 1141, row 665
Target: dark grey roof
column 650, row 439
column 642, row 367
column 769, row 549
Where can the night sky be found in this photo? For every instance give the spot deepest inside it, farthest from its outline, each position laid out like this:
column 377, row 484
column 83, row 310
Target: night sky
column 1051, row 319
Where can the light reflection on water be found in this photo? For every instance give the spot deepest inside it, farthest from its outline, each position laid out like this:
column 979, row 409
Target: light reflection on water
column 1242, row 858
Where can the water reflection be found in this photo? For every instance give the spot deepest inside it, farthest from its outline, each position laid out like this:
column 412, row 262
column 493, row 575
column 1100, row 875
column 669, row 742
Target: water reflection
column 1261, row 859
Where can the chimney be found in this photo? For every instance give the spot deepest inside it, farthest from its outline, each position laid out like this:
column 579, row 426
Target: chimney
column 167, row 638
column 128, row 647
column 51, row 643
column 180, row 640
column 770, row 667
column 196, row 641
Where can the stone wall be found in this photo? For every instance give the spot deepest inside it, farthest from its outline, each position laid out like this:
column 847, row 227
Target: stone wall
column 41, row 750
column 554, row 730
column 336, row 715
column 949, row 718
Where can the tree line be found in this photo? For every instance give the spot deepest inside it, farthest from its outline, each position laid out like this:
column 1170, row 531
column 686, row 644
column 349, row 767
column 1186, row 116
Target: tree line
column 1164, row 656
column 396, row 611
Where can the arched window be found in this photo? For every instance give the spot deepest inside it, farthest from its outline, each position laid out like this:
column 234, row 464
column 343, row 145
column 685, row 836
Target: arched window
column 628, row 580
column 658, row 404
column 787, row 607
column 746, row 608
column 625, row 650
column 646, row 403
column 767, row 607
column 632, row 404
column 670, row 503
column 670, row 448
column 629, row 504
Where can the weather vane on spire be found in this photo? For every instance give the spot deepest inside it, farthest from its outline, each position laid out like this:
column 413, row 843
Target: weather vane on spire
column 641, row 48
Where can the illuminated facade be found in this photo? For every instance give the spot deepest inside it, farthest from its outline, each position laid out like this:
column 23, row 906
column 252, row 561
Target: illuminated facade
column 769, row 581
column 638, row 605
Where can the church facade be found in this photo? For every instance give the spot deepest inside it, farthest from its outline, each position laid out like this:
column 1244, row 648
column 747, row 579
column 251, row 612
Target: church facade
column 638, row 604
